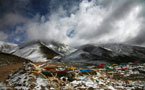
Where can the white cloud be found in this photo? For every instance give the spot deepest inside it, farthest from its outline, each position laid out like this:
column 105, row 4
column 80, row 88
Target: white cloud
column 124, row 29
column 3, row 36
column 94, row 22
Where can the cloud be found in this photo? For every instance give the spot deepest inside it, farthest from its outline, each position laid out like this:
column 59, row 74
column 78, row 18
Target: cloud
column 3, row 36
column 77, row 23
column 97, row 21
column 139, row 39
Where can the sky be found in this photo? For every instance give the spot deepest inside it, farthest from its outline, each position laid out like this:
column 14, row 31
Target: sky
column 73, row 22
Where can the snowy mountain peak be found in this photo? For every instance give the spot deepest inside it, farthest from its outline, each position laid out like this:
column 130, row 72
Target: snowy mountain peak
column 41, row 51
column 37, row 51
column 7, row 47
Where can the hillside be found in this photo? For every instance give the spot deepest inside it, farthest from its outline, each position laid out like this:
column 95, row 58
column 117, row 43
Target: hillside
column 40, row 51
column 49, row 76
column 9, row 64
column 6, row 59
column 7, row 47
column 108, row 53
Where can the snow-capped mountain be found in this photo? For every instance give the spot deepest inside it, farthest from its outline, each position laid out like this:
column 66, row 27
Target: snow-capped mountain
column 39, row 51
column 107, row 53
column 62, row 49
column 7, row 47
column 32, row 52
column 36, row 51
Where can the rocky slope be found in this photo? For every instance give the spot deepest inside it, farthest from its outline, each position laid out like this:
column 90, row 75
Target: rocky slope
column 9, row 64
column 41, row 51
column 25, row 80
column 38, row 51
column 108, row 53
column 6, row 59
column 7, row 47
column 108, row 77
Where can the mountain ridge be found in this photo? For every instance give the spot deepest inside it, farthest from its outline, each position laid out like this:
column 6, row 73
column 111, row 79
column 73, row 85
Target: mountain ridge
column 37, row 51
column 107, row 53
column 42, row 51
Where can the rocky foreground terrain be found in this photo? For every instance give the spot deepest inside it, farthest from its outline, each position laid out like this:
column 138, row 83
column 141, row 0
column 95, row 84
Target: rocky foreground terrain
column 59, row 76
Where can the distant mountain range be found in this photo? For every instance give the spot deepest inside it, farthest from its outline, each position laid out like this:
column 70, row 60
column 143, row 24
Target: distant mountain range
column 106, row 53
column 40, row 51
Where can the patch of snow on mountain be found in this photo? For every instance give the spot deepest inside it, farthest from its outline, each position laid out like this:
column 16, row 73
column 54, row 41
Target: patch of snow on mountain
column 7, row 47
column 31, row 52
column 60, row 48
